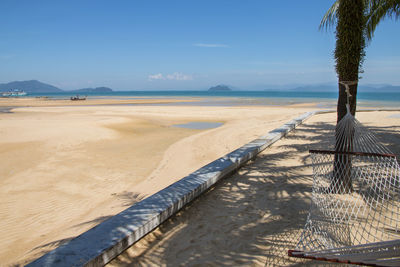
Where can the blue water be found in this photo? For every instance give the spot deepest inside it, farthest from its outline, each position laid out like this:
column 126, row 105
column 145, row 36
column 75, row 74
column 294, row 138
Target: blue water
column 253, row 97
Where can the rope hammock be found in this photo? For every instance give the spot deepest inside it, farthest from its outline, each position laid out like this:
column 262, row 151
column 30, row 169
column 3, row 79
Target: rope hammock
column 355, row 207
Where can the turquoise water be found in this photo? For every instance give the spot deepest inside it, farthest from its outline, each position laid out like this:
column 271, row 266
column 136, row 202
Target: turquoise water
column 245, row 97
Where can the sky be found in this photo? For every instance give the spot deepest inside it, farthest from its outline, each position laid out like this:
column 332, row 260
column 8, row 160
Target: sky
column 180, row 45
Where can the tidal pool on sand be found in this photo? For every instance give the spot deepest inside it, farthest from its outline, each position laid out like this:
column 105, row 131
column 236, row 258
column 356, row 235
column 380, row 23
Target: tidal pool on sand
column 394, row 116
column 199, row 125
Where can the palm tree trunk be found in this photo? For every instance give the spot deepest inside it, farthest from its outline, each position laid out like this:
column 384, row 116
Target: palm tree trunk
column 349, row 54
column 342, row 101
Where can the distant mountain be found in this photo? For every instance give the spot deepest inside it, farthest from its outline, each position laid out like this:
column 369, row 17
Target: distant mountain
column 35, row 86
column 93, row 90
column 220, row 87
column 32, row 86
column 334, row 88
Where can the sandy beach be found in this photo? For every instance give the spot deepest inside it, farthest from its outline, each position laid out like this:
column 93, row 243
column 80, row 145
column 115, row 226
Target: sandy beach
column 67, row 167
column 254, row 216
column 104, row 104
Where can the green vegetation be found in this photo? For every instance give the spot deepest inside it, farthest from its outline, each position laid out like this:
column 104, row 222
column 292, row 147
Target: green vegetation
column 376, row 11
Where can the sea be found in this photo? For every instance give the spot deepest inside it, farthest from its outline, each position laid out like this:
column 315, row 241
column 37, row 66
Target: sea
column 234, row 98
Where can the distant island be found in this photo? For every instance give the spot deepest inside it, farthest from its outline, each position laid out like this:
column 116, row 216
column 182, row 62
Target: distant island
column 34, row 86
column 93, row 90
column 220, row 87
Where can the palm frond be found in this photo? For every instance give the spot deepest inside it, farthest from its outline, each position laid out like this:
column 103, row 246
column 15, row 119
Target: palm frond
column 377, row 11
column 330, row 17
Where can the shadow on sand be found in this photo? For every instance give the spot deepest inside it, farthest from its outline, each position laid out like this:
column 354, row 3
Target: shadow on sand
column 251, row 218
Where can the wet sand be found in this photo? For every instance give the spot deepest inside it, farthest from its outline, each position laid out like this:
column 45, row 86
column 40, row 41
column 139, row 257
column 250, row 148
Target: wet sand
column 50, row 102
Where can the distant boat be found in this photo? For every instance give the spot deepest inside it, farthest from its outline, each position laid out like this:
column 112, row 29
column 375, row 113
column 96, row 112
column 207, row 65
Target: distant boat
column 13, row 93
column 77, row 97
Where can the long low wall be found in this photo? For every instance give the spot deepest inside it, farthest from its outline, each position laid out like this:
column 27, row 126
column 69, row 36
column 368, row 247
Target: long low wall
column 101, row 244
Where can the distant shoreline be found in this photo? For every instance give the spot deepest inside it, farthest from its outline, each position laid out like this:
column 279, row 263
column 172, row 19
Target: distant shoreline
column 256, row 94
column 222, row 98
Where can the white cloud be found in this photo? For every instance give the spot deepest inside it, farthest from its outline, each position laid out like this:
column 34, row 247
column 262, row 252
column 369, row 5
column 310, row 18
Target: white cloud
column 210, row 45
column 176, row 76
column 157, row 76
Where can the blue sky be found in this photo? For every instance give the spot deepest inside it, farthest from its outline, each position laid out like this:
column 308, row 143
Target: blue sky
column 157, row 45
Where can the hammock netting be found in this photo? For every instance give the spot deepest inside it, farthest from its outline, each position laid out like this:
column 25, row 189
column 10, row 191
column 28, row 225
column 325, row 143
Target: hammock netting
column 356, row 193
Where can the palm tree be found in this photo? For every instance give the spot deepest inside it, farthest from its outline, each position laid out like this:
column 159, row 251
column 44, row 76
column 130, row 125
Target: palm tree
column 349, row 17
column 349, row 51
column 356, row 21
column 349, row 55
column 374, row 11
